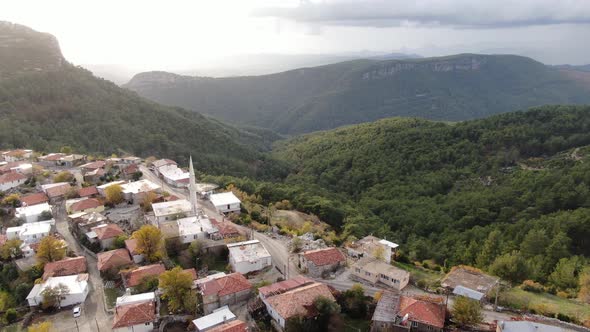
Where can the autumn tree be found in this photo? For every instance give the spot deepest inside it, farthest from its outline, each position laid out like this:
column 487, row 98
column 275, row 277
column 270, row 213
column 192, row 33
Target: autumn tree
column 114, row 194
column 11, row 248
column 46, row 326
column 175, row 285
column 63, row 176
column 50, row 249
column 150, row 242
column 379, row 253
column 148, row 200
column 466, row 311
column 584, row 283
column 11, row 200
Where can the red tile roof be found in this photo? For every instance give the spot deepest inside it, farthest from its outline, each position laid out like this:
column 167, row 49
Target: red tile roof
column 58, row 190
column 34, row 199
column 284, row 286
column 226, row 229
column 134, row 314
column 229, row 284
column 11, row 177
column 233, row 326
column 65, row 267
column 325, row 256
column 131, row 169
column 192, row 272
column 134, row 277
column 88, row 191
column 113, row 259
column 89, row 203
column 108, row 231
column 299, row 300
column 94, row 165
column 425, row 312
column 131, row 246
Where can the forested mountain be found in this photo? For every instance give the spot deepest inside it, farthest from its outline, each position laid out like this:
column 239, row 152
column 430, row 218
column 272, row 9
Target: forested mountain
column 459, row 87
column 46, row 103
column 465, row 192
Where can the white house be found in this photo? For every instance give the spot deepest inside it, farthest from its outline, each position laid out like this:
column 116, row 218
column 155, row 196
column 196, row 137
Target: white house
column 77, row 285
column 174, row 176
column 131, row 190
column 370, row 245
column 225, row 202
column 216, row 318
column 167, row 211
column 11, row 180
column 30, row 232
column 24, row 168
column 248, row 256
column 32, row 213
column 195, row 228
column 16, row 155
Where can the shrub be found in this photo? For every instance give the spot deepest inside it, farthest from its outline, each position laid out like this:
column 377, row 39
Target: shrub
column 562, row 294
column 421, row 283
column 531, row 286
column 425, row 265
column 10, row 315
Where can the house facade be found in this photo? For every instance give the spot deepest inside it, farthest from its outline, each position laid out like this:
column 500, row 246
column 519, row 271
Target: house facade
column 226, row 202
column 222, row 289
column 317, row 263
column 376, row 271
column 32, row 213
column 11, row 180
column 78, row 290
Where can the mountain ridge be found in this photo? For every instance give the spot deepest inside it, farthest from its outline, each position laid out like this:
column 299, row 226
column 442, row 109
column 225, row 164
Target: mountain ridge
column 453, row 88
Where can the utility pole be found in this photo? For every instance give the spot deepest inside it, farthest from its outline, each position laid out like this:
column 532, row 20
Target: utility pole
column 98, row 328
column 77, row 328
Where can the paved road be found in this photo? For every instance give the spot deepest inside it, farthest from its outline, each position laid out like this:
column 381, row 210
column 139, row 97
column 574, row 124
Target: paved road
column 277, row 249
column 94, row 317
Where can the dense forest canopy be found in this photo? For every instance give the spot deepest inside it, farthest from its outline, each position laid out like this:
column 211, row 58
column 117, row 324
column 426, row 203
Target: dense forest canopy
column 451, row 88
column 466, row 192
column 49, row 109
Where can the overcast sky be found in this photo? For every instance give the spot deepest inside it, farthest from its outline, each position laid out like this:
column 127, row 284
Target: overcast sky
column 183, row 34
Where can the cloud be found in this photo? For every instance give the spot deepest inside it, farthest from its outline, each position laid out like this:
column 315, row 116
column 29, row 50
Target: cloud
column 471, row 14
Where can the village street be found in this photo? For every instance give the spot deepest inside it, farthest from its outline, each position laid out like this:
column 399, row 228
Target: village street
column 93, row 316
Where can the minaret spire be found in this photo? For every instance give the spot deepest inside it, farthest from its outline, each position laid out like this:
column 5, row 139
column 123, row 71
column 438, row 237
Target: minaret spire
column 192, row 187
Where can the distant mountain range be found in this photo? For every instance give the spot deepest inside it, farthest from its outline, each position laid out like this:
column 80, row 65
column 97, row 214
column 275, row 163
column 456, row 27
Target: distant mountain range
column 247, row 64
column 454, row 88
column 47, row 103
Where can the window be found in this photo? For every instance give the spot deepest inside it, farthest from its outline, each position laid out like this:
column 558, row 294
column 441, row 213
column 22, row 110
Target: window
column 414, row 324
column 194, row 236
column 358, row 270
column 228, row 207
column 148, row 323
column 367, row 273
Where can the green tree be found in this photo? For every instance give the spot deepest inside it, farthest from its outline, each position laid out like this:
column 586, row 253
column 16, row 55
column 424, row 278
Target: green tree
column 565, row 274
column 150, row 242
column 175, row 285
column 66, row 149
column 353, row 301
column 490, row 250
column 557, row 249
column 52, row 296
column 510, row 266
column 326, row 308
column 119, row 241
column 466, row 312
column 6, row 301
column 534, row 243
column 50, row 249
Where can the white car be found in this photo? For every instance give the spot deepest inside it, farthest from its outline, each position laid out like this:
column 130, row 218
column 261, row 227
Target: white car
column 76, row 312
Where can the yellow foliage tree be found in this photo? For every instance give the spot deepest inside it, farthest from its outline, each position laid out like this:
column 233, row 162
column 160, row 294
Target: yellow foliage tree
column 114, row 194
column 150, row 242
column 584, row 281
column 11, row 199
column 50, row 249
column 42, row 327
column 64, row 176
column 175, row 285
column 379, row 253
column 147, row 201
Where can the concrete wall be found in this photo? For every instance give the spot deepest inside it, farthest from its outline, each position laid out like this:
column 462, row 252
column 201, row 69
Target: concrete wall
column 245, row 267
column 12, row 184
column 228, row 208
